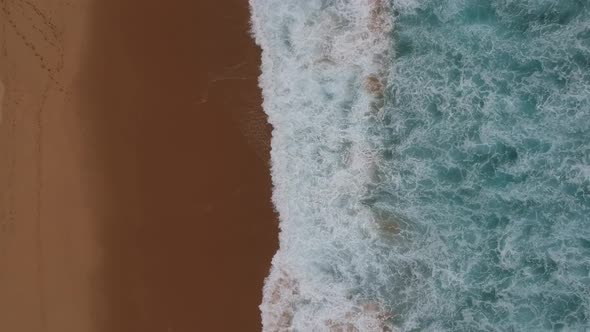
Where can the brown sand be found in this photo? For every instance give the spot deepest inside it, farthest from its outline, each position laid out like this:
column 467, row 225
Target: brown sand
column 134, row 186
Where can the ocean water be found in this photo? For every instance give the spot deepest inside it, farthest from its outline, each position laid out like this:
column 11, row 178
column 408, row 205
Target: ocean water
column 431, row 164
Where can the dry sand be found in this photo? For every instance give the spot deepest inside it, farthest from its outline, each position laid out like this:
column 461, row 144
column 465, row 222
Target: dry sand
column 134, row 185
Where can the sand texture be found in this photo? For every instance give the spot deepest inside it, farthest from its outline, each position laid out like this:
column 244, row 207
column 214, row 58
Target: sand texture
column 134, row 185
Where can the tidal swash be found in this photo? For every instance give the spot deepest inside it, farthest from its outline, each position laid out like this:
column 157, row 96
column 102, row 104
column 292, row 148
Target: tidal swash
column 431, row 164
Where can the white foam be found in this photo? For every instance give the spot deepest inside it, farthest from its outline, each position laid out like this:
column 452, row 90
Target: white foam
column 324, row 65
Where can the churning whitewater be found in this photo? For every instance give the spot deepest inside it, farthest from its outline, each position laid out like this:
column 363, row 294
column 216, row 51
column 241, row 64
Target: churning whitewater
column 431, row 164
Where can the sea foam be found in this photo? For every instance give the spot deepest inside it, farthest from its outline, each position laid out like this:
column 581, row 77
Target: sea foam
column 324, row 69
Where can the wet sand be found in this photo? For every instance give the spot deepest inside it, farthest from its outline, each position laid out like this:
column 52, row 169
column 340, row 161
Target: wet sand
column 134, row 185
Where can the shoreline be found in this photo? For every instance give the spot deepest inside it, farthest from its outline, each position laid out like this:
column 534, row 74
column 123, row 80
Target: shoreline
column 323, row 94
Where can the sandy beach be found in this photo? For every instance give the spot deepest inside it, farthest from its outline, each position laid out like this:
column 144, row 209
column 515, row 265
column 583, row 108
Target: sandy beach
column 134, row 185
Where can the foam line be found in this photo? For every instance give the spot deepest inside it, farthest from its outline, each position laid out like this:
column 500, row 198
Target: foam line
column 324, row 69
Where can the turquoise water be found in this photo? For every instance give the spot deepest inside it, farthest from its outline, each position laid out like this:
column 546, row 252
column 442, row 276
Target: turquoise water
column 456, row 198
column 487, row 137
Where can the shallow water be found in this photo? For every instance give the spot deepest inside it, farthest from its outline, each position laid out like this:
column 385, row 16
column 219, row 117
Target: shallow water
column 455, row 199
